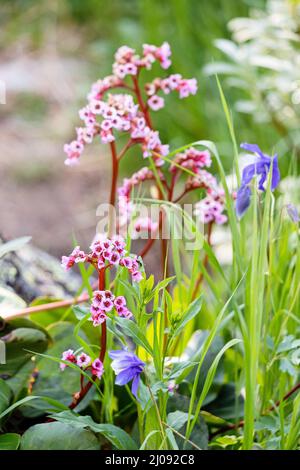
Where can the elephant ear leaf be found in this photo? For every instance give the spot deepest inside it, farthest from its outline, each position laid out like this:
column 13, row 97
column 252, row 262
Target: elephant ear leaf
column 5, row 396
column 117, row 436
column 58, row 436
column 9, row 441
column 19, row 337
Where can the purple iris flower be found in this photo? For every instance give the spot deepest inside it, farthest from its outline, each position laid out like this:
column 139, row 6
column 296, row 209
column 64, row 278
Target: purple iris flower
column 261, row 166
column 127, row 366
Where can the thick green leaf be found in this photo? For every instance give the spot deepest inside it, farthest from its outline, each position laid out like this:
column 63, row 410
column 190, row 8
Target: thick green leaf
column 131, row 329
column 9, row 441
column 5, row 395
column 177, row 419
column 119, row 438
column 227, row 405
column 16, row 405
column 24, row 338
column 19, row 335
column 51, row 381
column 193, row 310
column 58, row 436
column 161, row 285
column 49, row 400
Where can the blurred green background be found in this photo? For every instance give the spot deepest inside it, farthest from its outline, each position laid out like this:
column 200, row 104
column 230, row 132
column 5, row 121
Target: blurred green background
column 51, row 51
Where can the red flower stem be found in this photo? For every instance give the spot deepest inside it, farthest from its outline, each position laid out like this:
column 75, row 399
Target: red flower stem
column 115, row 171
column 81, row 381
column 103, row 325
column 147, row 247
column 184, row 193
column 113, row 188
column 143, row 107
column 79, row 396
column 241, row 423
column 124, row 149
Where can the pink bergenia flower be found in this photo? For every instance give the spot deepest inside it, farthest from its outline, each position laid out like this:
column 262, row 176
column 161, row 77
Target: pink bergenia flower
column 77, row 256
column 103, row 302
column 126, row 207
column 204, row 180
column 107, row 114
column 120, row 301
column 144, row 225
column 127, row 262
column 187, row 87
column 97, row 368
column 98, row 317
column 192, row 159
column 106, row 305
column 124, row 312
column 67, row 356
column 136, row 276
column 83, row 360
column 210, row 209
column 104, row 253
column 156, row 102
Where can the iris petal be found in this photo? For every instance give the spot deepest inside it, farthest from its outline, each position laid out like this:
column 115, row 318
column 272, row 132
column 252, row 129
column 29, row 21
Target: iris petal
column 125, row 376
column 135, row 385
column 275, row 173
column 248, row 174
column 242, row 200
column 252, row 148
column 262, row 180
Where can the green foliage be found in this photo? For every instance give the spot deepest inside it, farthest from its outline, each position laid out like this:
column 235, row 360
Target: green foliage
column 58, row 436
column 9, row 441
column 119, row 438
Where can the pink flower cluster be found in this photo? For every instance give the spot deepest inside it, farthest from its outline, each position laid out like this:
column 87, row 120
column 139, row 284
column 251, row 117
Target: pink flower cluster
column 192, row 159
column 77, row 256
column 83, row 361
column 140, row 176
column 185, row 87
column 105, row 254
column 210, row 209
column 118, row 112
column 127, row 62
column 104, row 302
column 127, row 208
column 144, row 225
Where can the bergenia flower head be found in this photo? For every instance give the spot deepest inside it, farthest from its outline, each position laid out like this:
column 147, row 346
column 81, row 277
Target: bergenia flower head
column 107, row 114
column 69, row 356
column 105, row 253
column 260, row 166
column 83, row 360
column 127, row 366
column 77, row 256
column 209, row 209
column 104, row 302
column 97, row 368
